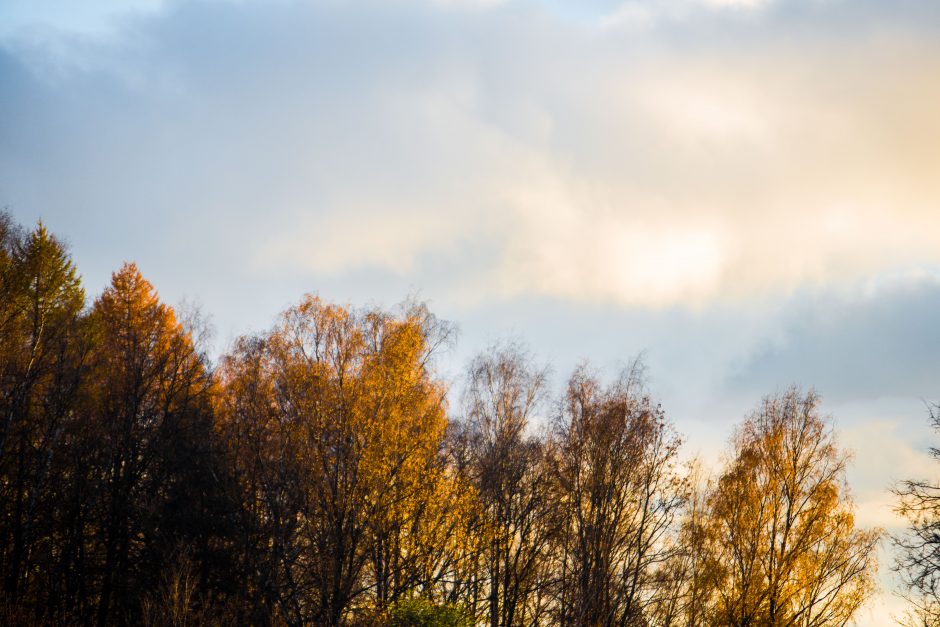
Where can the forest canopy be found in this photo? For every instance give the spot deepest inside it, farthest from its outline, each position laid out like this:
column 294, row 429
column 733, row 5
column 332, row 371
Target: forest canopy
column 322, row 473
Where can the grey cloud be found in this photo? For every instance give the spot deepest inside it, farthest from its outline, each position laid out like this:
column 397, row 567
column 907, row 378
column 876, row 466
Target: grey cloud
column 854, row 347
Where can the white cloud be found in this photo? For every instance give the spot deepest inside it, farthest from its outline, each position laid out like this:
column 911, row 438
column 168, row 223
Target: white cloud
column 703, row 158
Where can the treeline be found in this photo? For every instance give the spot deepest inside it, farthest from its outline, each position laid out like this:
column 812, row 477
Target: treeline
column 318, row 475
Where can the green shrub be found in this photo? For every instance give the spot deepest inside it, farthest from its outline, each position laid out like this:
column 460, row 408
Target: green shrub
column 419, row 612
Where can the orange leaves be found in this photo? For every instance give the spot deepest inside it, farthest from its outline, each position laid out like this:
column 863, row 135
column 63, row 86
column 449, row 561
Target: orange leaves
column 344, row 403
column 141, row 344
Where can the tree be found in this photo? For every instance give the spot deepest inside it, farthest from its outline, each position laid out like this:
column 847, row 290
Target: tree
column 783, row 523
column 338, row 423
column 688, row 580
column 506, row 465
column 615, row 469
column 150, row 400
column 267, row 477
column 918, row 547
column 41, row 351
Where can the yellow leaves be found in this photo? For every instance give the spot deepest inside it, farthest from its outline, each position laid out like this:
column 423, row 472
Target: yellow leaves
column 785, row 524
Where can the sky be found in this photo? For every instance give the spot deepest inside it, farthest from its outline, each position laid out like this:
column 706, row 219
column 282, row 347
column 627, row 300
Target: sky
column 745, row 192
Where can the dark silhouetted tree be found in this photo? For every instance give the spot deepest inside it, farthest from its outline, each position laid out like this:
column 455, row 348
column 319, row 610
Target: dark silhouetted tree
column 918, row 547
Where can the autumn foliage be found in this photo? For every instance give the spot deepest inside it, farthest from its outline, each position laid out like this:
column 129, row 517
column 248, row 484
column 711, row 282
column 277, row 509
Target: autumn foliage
column 323, row 472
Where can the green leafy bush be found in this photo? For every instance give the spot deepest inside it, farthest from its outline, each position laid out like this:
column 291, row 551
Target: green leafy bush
column 424, row 613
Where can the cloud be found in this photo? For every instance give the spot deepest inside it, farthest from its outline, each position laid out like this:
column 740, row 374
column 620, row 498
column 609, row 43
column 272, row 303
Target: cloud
column 705, row 155
column 877, row 339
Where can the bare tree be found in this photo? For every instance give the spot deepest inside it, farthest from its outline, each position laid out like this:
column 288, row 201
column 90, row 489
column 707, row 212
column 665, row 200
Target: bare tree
column 506, row 465
column 918, row 547
column 615, row 467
